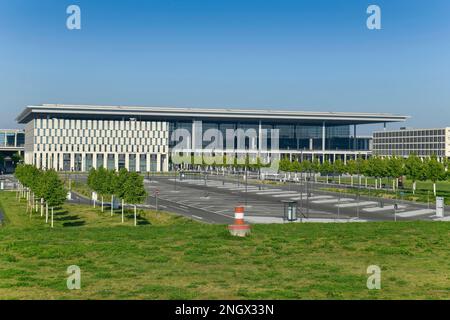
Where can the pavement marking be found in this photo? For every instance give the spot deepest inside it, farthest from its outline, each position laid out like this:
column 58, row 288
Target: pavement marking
column 319, row 197
column 332, row 200
column 220, row 211
column 355, row 204
column 197, row 217
column 267, row 190
column 207, row 207
column 277, row 192
column 420, row 212
column 287, row 195
column 385, row 208
column 303, row 197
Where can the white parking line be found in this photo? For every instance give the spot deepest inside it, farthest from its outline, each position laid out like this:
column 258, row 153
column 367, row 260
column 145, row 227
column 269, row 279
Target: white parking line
column 385, row 208
column 355, row 204
column 320, row 197
column 414, row 213
column 287, row 195
column 197, row 217
column 277, row 192
column 331, row 200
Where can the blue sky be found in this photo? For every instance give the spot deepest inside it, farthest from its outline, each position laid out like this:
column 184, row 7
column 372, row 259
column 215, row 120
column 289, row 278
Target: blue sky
column 278, row 54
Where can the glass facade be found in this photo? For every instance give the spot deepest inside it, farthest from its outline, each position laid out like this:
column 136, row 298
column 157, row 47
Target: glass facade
column 292, row 136
column 12, row 139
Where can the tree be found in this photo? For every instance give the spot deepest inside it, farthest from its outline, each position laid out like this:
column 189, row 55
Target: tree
column 339, row 168
column 285, row 165
column 326, row 168
column 120, row 186
column 134, row 191
column 17, row 158
column 414, row 170
column 377, row 169
column 53, row 190
column 434, row 171
column 296, row 166
column 395, row 169
column 101, row 183
column 351, row 169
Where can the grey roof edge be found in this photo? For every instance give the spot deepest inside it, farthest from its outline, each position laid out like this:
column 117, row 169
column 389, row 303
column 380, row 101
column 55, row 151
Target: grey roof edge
column 209, row 112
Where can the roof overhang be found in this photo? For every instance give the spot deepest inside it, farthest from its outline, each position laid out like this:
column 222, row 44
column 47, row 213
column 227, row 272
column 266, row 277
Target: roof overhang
column 170, row 113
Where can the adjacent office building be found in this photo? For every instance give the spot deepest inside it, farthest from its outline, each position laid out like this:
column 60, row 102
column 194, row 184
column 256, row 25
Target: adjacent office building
column 11, row 142
column 422, row 142
column 79, row 137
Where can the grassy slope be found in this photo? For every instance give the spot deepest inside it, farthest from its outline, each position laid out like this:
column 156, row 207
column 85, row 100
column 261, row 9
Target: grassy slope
column 172, row 258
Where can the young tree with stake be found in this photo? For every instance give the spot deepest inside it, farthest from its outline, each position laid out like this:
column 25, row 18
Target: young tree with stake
column 134, row 191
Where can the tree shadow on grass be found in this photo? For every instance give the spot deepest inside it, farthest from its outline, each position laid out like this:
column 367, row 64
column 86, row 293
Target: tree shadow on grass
column 141, row 220
column 68, row 220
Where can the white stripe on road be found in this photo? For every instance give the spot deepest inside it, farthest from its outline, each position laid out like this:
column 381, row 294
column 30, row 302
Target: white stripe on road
column 292, row 193
column 197, row 217
column 385, row 208
column 332, row 200
column 355, row 204
column 320, row 197
column 414, row 213
column 285, row 195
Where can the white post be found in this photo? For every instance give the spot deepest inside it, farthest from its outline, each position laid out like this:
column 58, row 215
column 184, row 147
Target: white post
column 46, row 213
column 42, row 207
column 52, row 217
column 102, row 203
column 112, row 205
column 135, row 216
column 122, row 210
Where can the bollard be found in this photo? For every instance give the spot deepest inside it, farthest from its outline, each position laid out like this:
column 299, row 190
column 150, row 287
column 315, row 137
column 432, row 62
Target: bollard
column 239, row 228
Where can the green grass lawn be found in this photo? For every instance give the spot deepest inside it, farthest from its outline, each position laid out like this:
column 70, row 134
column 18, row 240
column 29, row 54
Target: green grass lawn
column 168, row 257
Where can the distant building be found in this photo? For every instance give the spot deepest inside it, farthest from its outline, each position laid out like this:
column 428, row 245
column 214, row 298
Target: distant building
column 11, row 141
column 77, row 137
column 403, row 142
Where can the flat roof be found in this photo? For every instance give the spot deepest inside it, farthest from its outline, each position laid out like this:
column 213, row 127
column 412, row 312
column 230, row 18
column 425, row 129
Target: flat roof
column 410, row 129
column 171, row 113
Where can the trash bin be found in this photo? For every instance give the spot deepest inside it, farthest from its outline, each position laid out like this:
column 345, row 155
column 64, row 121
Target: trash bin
column 290, row 210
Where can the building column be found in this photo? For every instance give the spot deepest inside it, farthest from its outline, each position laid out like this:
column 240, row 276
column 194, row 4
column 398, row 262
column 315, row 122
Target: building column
column 148, row 162
column 354, row 137
column 323, row 137
column 83, row 162
column 116, row 161
column 94, row 160
column 72, row 161
column 127, row 161
column 138, row 162
column 260, row 137
column 158, row 162
column 166, row 163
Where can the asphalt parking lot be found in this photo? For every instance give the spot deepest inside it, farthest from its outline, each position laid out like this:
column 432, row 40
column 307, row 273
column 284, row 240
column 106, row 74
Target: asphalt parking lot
column 213, row 200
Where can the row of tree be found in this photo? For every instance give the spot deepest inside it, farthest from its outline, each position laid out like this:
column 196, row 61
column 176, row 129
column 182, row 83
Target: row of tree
column 40, row 188
column 413, row 167
column 124, row 185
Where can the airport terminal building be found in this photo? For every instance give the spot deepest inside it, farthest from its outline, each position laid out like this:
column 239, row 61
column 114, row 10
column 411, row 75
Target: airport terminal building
column 80, row 137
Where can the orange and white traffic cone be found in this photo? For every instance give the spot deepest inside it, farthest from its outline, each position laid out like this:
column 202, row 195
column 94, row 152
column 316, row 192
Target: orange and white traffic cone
column 239, row 228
